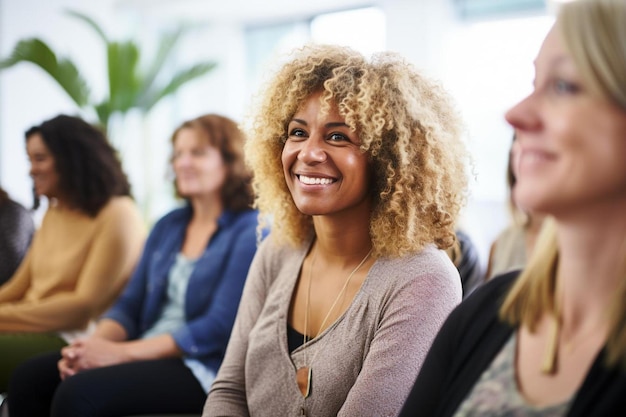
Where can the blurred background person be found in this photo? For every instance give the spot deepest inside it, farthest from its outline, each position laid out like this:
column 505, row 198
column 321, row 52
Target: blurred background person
column 16, row 231
column 466, row 259
column 85, row 250
column 158, row 348
column 513, row 245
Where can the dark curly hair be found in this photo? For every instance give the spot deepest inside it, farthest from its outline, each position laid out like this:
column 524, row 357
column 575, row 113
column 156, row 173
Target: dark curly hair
column 224, row 134
column 90, row 172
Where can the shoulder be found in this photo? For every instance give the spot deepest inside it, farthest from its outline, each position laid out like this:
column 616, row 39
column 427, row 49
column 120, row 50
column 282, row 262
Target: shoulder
column 272, row 257
column 239, row 228
column 511, row 233
column 121, row 217
column 243, row 219
column 119, row 206
column 428, row 276
column 278, row 253
column 178, row 216
column 12, row 212
column 495, row 287
column 274, row 267
column 473, row 331
column 486, row 300
column 430, row 264
column 13, row 207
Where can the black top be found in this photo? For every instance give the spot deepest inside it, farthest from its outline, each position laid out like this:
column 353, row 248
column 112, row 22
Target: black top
column 295, row 339
column 469, row 267
column 467, row 343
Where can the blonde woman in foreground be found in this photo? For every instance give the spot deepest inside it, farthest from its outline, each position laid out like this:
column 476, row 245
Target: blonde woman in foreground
column 361, row 165
column 552, row 342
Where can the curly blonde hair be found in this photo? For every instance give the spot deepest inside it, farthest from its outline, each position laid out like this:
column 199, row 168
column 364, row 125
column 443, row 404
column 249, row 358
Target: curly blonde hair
column 407, row 125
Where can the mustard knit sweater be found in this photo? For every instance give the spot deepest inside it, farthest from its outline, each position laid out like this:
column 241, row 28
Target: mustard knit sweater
column 74, row 269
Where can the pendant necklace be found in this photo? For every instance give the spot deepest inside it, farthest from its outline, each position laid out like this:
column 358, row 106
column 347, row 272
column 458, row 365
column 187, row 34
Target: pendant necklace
column 304, row 374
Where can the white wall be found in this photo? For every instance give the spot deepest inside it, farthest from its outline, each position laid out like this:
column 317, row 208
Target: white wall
column 28, row 96
column 487, row 66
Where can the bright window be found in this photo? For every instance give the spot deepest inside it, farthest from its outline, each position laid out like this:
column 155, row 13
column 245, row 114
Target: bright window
column 362, row 29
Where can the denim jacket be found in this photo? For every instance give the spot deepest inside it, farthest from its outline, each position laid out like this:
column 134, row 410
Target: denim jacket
column 214, row 288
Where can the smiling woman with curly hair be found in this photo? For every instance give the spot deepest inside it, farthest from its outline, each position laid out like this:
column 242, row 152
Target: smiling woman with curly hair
column 359, row 167
column 407, row 126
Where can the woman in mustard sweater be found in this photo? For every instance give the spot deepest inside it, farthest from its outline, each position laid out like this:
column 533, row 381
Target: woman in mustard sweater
column 158, row 348
column 86, row 248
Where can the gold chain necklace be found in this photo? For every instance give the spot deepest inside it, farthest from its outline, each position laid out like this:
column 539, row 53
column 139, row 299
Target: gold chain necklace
column 304, row 374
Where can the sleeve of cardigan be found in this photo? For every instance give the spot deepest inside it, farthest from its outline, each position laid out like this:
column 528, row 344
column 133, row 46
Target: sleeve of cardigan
column 427, row 392
column 108, row 264
column 227, row 396
column 466, row 344
column 410, row 320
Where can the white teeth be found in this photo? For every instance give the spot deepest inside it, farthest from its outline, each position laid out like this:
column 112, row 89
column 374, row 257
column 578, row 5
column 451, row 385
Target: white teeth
column 312, row 181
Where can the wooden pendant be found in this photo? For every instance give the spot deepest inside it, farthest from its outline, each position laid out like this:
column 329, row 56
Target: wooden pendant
column 303, row 378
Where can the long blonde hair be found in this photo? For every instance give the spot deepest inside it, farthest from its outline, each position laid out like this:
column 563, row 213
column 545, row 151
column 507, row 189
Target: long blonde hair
column 594, row 32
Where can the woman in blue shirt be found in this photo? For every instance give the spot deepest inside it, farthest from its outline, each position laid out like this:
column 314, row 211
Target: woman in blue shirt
column 158, row 348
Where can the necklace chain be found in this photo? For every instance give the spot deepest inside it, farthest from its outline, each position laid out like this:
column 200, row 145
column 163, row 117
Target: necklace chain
column 332, row 307
column 304, row 374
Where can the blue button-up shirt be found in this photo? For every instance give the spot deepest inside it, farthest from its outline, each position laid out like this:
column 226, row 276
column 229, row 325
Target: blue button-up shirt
column 213, row 291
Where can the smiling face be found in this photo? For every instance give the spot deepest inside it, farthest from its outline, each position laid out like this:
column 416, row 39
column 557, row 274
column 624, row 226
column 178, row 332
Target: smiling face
column 571, row 144
column 43, row 170
column 199, row 167
column 324, row 168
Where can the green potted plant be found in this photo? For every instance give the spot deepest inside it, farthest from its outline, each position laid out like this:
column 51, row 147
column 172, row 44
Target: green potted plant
column 131, row 86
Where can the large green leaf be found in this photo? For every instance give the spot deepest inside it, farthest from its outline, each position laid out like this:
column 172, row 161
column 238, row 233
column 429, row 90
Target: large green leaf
column 128, row 86
column 90, row 22
column 124, row 82
column 103, row 110
column 167, row 44
column 62, row 70
column 178, row 80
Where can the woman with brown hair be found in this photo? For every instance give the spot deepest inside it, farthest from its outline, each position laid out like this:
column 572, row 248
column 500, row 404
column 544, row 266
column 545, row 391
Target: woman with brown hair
column 158, row 348
column 83, row 253
column 514, row 245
